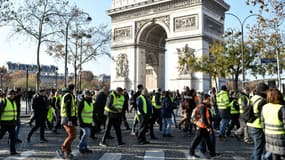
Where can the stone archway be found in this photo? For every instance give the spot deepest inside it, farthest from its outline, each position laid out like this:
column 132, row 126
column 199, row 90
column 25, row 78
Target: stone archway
column 152, row 40
column 148, row 33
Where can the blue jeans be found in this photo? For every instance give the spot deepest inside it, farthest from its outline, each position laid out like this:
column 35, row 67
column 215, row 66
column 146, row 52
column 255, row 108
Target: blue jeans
column 258, row 138
column 84, row 138
column 166, row 126
column 224, row 123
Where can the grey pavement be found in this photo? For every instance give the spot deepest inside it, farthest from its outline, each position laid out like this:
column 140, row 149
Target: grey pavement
column 164, row 148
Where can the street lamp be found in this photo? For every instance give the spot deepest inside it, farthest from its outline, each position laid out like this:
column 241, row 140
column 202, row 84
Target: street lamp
column 242, row 41
column 1, row 75
column 75, row 13
column 56, row 69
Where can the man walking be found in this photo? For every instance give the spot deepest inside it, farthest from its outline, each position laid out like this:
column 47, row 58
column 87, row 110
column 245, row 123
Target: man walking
column 8, row 119
column 144, row 110
column 86, row 120
column 202, row 120
column 255, row 127
column 113, row 110
column 40, row 107
column 68, row 115
column 223, row 104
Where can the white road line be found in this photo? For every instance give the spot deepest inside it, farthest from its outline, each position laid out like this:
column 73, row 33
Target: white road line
column 111, row 156
column 238, row 158
column 154, row 155
column 74, row 152
column 23, row 155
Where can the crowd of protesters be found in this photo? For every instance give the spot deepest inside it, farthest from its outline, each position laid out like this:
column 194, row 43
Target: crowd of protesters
column 204, row 116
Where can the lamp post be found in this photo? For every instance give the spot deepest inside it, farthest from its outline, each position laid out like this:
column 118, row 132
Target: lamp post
column 27, row 86
column 1, row 75
column 242, row 41
column 56, row 69
column 75, row 13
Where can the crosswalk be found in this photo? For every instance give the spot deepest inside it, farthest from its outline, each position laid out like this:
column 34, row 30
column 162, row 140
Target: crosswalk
column 148, row 155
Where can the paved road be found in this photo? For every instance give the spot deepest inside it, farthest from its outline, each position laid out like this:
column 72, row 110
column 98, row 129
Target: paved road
column 174, row 148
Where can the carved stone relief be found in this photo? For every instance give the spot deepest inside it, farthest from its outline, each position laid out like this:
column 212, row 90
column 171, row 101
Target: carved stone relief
column 122, row 65
column 163, row 19
column 123, row 33
column 186, row 23
column 184, row 55
column 153, row 9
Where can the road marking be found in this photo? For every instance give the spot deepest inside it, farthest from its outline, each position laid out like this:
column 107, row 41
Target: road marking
column 23, row 155
column 111, row 156
column 238, row 158
column 154, row 155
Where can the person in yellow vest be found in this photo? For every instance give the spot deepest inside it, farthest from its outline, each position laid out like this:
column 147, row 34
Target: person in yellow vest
column 273, row 122
column 144, row 112
column 243, row 102
column 255, row 128
column 69, row 121
column 113, row 111
column 57, row 103
column 86, row 120
column 156, row 116
column 234, row 112
column 8, row 119
column 223, row 103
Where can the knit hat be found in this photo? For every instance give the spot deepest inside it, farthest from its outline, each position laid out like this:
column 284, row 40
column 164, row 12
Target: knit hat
column 261, row 87
column 224, row 88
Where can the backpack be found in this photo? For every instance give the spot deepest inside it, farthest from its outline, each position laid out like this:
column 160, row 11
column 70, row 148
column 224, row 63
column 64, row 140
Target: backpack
column 248, row 113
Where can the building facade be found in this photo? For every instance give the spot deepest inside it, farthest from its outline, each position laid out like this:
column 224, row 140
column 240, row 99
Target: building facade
column 150, row 36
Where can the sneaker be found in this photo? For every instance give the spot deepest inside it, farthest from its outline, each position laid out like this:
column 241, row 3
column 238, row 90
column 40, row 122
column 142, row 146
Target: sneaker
column 121, row 143
column 43, row 140
column 102, row 144
column 222, row 138
column 194, row 156
column 109, row 137
column 85, row 150
column 59, row 153
column 29, row 140
column 88, row 151
column 215, row 155
column 14, row 153
column 237, row 137
column 169, row 135
column 133, row 133
column 18, row 141
column 248, row 142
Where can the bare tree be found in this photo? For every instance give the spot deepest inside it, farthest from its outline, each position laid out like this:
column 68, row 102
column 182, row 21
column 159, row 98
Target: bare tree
column 81, row 43
column 37, row 19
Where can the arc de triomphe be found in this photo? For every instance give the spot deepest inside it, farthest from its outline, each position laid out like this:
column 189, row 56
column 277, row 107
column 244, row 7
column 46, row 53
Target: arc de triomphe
column 147, row 35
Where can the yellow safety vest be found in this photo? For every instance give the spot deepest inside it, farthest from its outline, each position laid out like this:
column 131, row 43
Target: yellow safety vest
column 233, row 109
column 117, row 103
column 153, row 102
column 272, row 124
column 63, row 106
column 50, row 114
column 223, row 100
column 241, row 103
column 144, row 105
column 87, row 113
column 256, row 123
column 10, row 111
